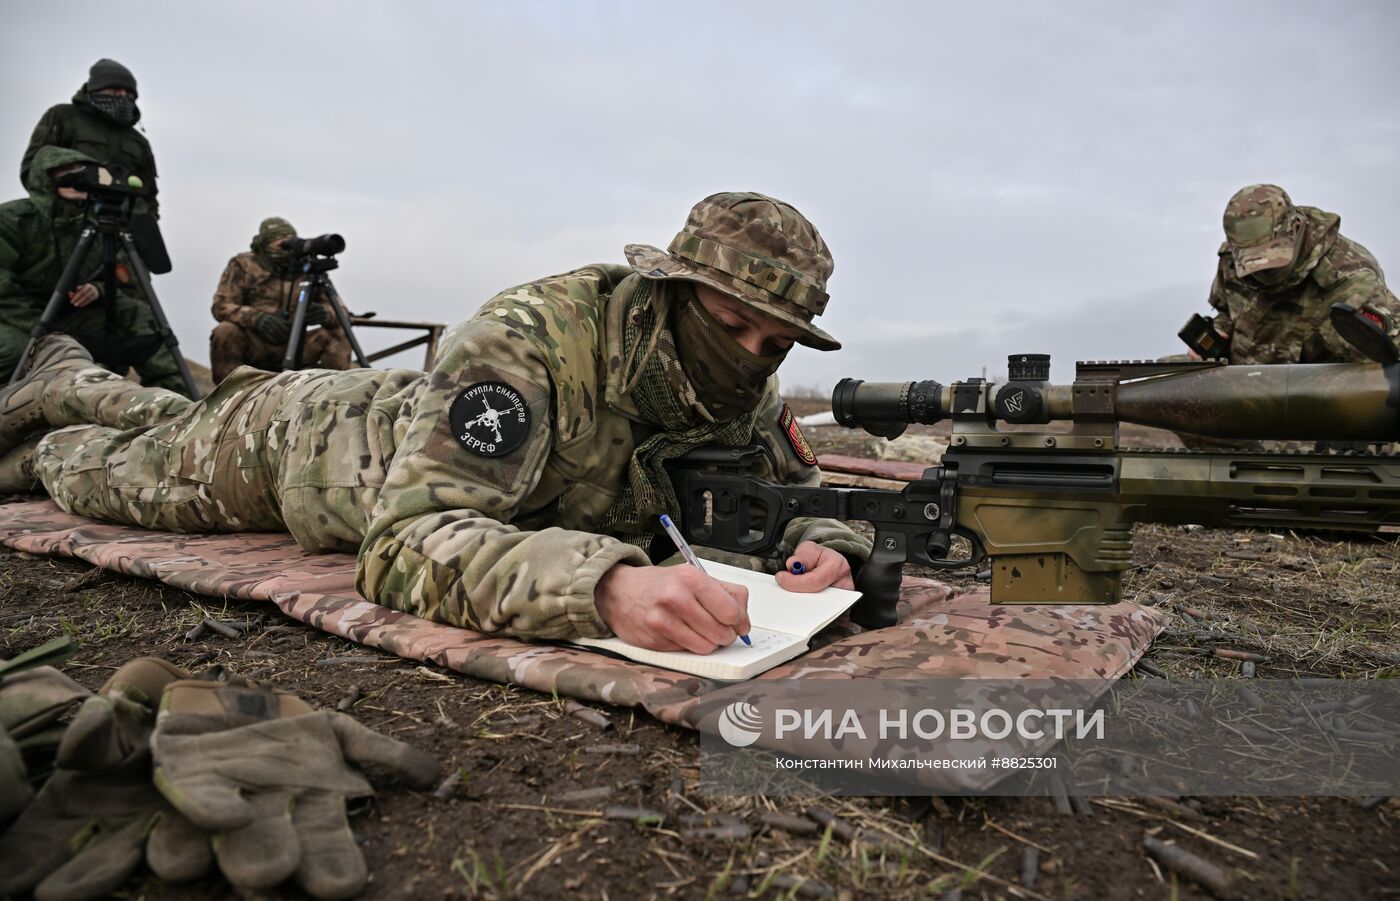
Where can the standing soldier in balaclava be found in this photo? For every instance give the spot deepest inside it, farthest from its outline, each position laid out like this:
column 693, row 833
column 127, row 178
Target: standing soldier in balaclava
column 100, row 122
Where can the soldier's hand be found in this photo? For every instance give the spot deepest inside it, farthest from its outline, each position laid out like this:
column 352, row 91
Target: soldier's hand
column 318, row 314
column 822, row 567
column 83, row 295
column 672, row 608
column 273, row 328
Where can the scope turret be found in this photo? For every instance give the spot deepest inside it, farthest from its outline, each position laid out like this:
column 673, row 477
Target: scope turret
column 1028, row 367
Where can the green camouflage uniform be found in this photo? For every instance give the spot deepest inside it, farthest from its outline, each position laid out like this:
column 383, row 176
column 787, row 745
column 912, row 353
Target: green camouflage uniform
column 1289, row 322
column 83, row 127
column 510, row 535
column 253, row 284
column 37, row 236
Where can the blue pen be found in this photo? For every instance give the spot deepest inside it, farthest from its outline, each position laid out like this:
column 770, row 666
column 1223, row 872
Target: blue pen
column 684, row 547
column 797, row 568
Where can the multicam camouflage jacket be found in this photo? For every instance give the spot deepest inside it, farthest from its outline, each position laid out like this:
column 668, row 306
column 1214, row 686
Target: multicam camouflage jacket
column 489, row 519
column 1290, row 324
column 248, row 289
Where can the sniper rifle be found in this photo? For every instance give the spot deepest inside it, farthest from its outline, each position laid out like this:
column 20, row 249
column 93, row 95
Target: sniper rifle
column 1035, row 479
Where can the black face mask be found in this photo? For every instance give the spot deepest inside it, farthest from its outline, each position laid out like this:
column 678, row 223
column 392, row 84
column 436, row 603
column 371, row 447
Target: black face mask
column 120, row 108
column 728, row 380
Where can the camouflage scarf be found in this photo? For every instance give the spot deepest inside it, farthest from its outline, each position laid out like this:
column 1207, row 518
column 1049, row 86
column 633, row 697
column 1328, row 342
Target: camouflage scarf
column 665, row 398
column 278, row 262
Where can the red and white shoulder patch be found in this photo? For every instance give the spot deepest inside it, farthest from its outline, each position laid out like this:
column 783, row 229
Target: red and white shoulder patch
column 788, row 423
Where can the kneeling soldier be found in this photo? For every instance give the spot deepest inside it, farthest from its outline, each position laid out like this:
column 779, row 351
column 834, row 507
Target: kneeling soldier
column 253, row 304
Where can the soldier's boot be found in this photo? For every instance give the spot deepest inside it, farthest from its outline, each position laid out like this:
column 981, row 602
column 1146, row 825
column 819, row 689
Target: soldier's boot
column 22, row 404
column 18, row 474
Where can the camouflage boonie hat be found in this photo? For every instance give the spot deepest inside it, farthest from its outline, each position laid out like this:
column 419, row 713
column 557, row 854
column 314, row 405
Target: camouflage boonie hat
column 755, row 249
column 1261, row 228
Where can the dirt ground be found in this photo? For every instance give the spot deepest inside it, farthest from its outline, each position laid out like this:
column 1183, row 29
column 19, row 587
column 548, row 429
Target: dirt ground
column 547, row 804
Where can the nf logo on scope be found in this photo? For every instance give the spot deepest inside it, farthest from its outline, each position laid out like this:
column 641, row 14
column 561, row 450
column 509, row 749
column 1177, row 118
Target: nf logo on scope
column 1014, row 402
column 490, row 419
column 740, row 724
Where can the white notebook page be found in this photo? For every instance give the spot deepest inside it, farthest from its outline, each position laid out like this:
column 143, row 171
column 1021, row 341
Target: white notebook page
column 783, row 622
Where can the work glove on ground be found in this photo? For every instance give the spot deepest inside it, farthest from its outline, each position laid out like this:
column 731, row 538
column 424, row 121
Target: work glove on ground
column 270, row 777
column 15, row 793
column 90, row 825
column 273, row 328
column 33, row 697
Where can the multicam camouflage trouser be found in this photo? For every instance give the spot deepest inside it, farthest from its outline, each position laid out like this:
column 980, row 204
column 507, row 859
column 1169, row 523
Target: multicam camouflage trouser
column 152, row 458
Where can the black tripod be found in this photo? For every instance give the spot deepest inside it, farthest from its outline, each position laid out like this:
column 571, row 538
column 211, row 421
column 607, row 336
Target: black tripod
column 112, row 221
column 314, row 288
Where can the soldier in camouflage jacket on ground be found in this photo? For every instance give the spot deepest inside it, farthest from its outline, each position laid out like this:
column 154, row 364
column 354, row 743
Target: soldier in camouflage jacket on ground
column 1282, row 267
column 515, row 487
column 253, row 304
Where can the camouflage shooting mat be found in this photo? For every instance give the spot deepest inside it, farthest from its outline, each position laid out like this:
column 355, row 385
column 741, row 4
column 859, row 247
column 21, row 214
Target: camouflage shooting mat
column 940, row 634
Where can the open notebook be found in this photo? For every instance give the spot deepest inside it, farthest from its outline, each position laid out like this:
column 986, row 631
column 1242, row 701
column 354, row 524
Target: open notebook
column 783, row 623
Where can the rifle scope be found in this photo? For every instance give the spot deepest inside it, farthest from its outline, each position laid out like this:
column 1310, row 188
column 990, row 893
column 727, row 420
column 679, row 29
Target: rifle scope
column 1319, row 401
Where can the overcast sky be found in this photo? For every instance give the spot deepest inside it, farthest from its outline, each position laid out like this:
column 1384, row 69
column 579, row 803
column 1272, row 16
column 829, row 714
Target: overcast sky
column 991, row 177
